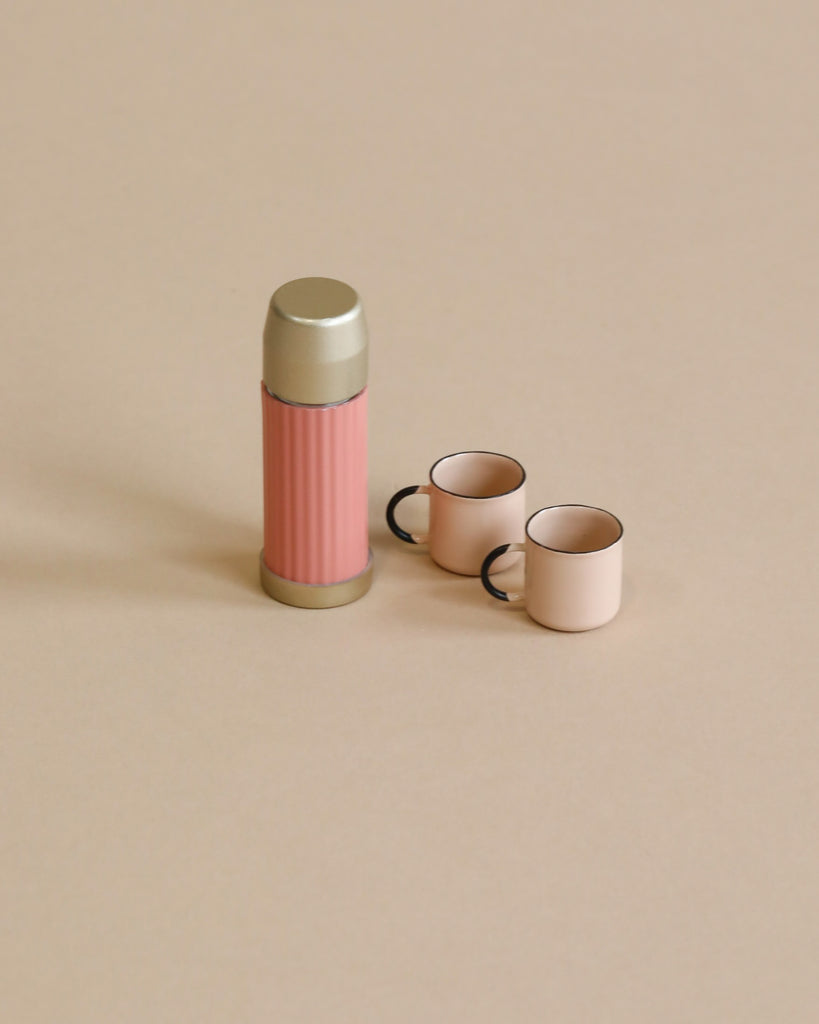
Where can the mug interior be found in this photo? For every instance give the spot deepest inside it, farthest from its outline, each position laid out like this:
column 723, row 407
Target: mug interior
column 477, row 474
column 574, row 529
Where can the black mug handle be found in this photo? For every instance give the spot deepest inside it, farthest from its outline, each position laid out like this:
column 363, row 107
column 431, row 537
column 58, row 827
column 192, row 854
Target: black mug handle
column 501, row 595
column 400, row 533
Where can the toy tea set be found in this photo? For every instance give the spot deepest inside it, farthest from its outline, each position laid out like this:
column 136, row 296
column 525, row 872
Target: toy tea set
column 316, row 550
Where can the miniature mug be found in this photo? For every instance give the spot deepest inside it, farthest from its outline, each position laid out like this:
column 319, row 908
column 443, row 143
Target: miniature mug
column 574, row 567
column 476, row 500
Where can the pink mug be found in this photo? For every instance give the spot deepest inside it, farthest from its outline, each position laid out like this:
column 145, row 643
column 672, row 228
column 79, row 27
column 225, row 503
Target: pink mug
column 574, row 567
column 476, row 500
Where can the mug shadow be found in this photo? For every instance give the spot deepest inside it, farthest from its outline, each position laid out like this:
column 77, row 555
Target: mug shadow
column 434, row 598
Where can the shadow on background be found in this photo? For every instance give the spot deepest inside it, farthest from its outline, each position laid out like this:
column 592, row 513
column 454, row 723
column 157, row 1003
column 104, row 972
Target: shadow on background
column 132, row 538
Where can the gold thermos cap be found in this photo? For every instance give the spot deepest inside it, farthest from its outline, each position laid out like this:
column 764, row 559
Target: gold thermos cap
column 315, row 342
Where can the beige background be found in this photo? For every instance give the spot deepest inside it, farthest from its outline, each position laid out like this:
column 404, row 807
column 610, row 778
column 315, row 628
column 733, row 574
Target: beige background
column 586, row 235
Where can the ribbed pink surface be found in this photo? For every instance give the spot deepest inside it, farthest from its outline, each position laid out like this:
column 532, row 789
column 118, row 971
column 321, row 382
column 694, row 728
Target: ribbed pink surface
column 315, row 489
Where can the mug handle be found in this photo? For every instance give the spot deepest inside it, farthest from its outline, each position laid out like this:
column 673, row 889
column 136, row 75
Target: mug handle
column 401, row 534
column 501, row 595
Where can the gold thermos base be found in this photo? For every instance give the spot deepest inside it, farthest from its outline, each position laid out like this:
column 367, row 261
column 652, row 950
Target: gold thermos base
column 315, row 595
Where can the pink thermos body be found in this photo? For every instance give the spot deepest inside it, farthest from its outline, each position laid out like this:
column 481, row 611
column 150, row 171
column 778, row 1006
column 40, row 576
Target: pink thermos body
column 314, row 417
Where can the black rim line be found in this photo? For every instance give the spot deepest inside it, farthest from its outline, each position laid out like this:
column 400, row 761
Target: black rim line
column 562, row 551
column 480, row 497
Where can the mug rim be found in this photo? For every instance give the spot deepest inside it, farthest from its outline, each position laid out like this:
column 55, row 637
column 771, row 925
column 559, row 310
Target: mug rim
column 574, row 504
column 479, row 497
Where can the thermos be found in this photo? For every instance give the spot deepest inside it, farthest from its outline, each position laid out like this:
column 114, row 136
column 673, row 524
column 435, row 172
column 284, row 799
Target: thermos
column 314, row 418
